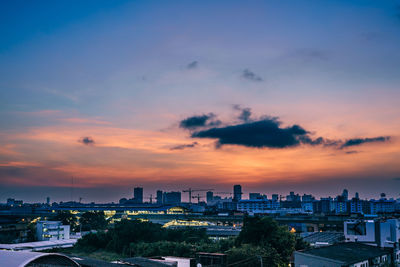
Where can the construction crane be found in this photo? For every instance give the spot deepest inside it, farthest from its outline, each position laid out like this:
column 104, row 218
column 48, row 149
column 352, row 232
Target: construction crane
column 150, row 199
column 198, row 197
column 190, row 190
column 224, row 193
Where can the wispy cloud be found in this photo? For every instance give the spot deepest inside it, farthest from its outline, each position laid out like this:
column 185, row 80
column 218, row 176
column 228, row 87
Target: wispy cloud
column 192, row 65
column 360, row 141
column 251, row 76
column 183, row 146
column 245, row 113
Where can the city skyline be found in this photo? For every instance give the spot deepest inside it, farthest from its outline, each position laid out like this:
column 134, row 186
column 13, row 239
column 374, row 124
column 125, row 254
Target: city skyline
column 274, row 96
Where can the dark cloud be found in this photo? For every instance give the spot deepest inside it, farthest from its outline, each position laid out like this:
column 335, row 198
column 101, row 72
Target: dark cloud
column 397, row 179
column 352, row 152
column 360, row 141
column 183, row 146
column 87, row 140
column 205, row 120
column 192, row 65
column 249, row 75
column 245, row 113
column 319, row 141
column 263, row 133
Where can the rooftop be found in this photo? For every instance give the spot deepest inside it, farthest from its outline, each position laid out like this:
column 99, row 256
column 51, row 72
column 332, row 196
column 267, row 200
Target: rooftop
column 347, row 253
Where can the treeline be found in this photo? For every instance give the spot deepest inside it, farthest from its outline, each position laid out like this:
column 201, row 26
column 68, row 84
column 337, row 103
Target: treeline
column 261, row 239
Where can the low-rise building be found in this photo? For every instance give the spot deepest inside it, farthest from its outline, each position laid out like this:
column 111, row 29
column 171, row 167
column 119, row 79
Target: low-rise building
column 257, row 206
column 343, row 255
column 51, row 230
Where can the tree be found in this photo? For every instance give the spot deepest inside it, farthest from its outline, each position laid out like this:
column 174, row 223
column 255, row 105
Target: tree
column 93, row 220
column 67, row 218
column 266, row 233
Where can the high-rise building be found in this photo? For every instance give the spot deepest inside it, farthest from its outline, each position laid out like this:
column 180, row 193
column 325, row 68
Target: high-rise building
column 159, row 197
column 48, row 200
column 237, row 192
column 210, row 197
column 345, row 194
column 138, row 194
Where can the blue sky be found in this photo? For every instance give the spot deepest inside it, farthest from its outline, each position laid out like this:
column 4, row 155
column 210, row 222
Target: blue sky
column 331, row 66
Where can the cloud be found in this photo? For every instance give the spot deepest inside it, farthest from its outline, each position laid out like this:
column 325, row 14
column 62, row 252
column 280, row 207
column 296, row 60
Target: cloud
column 192, row 65
column 310, row 54
column 352, row 152
column 87, row 140
column 263, row 133
column 360, row 141
column 245, row 113
column 183, row 146
column 249, row 75
column 397, row 179
column 205, row 120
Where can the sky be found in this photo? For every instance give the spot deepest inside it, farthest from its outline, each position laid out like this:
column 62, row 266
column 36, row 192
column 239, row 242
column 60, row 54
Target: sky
column 98, row 97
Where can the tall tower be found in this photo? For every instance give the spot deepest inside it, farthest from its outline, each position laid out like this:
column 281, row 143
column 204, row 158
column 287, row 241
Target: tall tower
column 237, row 192
column 138, row 194
column 159, row 197
column 210, row 197
column 345, row 194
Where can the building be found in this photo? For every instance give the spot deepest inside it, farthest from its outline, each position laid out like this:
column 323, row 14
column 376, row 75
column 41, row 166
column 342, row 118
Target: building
column 172, row 198
column 382, row 205
column 22, row 259
column 307, row 207
column 345, row 194
column 307, row 198
column 343, row 255
column 359, row 206
column 378, row 232
column 293, row 197
column 325, row 205
column 340, row 205
column 319, row 239
column 51, row 230
column 159, row 197
column 253, row 196
column 39, row 245
column 138, row 194
column 237, row 192
column 13, row 202
column 257, row 206
column 210, row 197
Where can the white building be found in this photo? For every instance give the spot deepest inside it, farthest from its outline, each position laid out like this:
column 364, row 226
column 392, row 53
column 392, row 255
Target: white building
column 255, row 206
column 378, row 232
column 52, row 230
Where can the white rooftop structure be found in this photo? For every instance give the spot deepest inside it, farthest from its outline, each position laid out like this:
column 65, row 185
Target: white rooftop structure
column 24, row 258
column 39, row 245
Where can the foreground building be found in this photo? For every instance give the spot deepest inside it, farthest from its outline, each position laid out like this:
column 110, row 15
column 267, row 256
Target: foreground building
column 51, row 230
column 30, row 259
column 344, row 255
column 378, row 232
